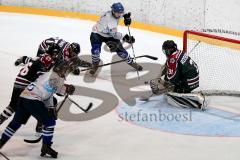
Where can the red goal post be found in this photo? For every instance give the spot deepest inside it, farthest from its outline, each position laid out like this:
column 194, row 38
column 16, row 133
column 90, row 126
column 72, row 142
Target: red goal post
column 218, row 59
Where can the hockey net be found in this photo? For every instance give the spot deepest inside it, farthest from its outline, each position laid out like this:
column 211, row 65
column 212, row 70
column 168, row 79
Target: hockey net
column 218, row 59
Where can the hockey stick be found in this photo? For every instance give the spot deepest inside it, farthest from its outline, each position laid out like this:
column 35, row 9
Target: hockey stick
column 123, row 60
column 66, row 97
column 39, row 139
column 84, row 110
column 64, row 100
column 4, row 156
column 134, row 57
column 33, row 140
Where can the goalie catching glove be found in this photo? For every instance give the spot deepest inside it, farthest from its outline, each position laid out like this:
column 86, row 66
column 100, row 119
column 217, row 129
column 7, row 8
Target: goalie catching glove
column 160, row 86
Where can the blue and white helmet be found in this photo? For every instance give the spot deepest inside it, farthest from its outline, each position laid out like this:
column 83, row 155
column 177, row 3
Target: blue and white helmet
column 117, row 8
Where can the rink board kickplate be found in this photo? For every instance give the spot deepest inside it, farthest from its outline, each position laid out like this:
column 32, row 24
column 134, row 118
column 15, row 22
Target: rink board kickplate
column 157, row 114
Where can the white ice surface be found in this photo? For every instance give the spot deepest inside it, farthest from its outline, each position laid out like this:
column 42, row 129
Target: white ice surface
column 104, row 138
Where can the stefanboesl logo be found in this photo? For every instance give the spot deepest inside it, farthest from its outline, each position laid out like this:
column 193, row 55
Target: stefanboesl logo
column 159, row 115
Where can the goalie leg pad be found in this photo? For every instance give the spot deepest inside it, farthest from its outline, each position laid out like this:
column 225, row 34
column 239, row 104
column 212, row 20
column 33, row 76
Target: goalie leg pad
column 186, row 100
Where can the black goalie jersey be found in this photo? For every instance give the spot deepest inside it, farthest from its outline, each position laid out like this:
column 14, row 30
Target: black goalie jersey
column 182, row 71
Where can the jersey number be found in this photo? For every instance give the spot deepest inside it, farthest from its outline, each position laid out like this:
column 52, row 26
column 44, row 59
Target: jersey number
column 31, row 87
column 25, row 70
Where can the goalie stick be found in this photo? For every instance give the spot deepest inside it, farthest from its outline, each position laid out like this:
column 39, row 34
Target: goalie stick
column 66, row 97
column 146, row 98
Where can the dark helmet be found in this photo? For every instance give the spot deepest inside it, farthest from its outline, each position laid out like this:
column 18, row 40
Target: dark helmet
column 53, row 49
column 75, row 47
column 169, row 47
column 117, row 8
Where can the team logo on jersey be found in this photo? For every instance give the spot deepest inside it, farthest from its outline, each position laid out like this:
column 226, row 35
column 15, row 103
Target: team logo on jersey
column 172, row 65
column 172, row 60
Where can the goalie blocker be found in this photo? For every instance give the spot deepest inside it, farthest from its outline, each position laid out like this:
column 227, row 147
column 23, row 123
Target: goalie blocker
column 181, row 77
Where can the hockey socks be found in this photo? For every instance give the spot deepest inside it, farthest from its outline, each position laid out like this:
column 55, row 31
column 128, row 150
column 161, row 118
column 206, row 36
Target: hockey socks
column 8, row 112
column 9, row 132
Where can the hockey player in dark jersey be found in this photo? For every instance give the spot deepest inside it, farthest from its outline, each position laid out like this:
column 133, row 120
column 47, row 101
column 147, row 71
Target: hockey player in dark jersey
column 180, row 78
column 66, row 51
column 28, row 74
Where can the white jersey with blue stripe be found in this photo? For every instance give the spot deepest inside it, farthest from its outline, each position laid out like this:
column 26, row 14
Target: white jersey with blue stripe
column 44, row 88
column 107, row 26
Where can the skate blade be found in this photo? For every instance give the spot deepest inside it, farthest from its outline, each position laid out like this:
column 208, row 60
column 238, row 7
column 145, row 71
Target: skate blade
column 42, row 154
column 48, row 155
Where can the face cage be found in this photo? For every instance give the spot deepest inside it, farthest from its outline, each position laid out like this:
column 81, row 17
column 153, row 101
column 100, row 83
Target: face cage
column 119, row 14
column 166, row 52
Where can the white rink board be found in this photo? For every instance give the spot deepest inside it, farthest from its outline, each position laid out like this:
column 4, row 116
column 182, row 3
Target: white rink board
column 184, row 14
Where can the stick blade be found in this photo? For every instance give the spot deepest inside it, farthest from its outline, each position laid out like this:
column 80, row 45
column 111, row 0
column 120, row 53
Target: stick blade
column 33, row 140
column 89, row 107
column 144, row 99
column 151, row 57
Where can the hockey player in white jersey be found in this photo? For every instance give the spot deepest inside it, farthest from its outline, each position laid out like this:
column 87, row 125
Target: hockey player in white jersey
column 105, row 31
column 37, row 101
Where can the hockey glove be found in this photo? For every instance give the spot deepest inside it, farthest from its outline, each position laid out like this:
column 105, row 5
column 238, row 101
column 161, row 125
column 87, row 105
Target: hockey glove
column 129, row 39
column 127, row 19
column 69, row 89
column 76, row 72
column 53, row 49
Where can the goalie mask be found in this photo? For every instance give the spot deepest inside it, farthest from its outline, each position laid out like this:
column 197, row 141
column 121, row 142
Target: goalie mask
column 169, row 47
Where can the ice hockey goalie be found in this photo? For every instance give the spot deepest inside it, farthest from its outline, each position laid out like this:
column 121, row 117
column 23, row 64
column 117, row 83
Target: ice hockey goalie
column 178, row 79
